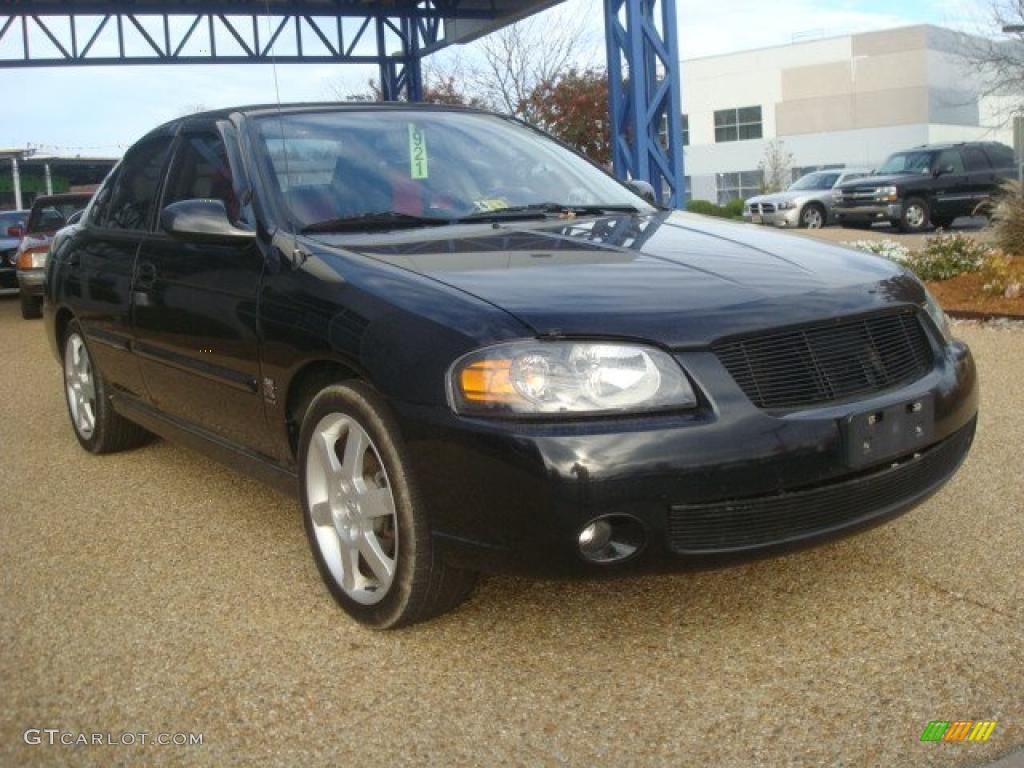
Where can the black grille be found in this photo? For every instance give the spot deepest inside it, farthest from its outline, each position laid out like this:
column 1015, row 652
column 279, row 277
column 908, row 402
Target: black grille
column 824, row 363
column 747, row 523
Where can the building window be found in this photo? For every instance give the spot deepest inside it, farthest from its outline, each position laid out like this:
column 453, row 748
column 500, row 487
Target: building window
column 739, row 186
column 738, row 124
column 686, row 130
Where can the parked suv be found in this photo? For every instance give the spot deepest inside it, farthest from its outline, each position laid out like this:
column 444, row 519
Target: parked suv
column 928, row 186
column 465, row 347
column 807, row 203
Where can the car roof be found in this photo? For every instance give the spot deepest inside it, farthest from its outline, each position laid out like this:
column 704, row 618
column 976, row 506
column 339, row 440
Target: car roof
column 955, row 144
column 259, row 110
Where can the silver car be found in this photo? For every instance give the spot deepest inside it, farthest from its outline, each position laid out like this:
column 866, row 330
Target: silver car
column 807, row 203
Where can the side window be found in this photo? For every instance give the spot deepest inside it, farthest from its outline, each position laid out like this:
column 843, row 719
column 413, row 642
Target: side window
column 975, row 159
column 950, row 158
column 1001, row 155
column 202, row 172
column 135, row 188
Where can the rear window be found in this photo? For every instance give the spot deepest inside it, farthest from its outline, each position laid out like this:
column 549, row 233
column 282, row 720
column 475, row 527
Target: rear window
column 1001, row 155
column 50, row 216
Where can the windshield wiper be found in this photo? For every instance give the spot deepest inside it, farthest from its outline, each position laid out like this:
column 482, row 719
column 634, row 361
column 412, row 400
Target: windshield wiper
column 542, row 210
column 376, row 220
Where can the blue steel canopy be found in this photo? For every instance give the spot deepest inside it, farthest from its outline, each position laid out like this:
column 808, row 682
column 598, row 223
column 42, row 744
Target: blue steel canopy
column 643, row 66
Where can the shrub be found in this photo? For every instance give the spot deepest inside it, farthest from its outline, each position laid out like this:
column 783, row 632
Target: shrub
column 1008, row 220
column 886, row 248
column 946, row 256
column 705, row 207
column 1002, row 275
column 732, row 210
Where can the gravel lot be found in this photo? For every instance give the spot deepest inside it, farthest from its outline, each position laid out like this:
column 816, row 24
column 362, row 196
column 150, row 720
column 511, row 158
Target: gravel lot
column 153, row 591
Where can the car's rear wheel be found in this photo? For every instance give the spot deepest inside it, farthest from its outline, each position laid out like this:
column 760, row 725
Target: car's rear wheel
column 31, row 306
column 812, row 216
column 915, row 215
column 98, row 427
column 367, row 525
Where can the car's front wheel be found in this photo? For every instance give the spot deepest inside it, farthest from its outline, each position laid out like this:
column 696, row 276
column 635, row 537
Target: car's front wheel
column 98, row 427
column 915, row 215
column 366, row 523
column 812, row 217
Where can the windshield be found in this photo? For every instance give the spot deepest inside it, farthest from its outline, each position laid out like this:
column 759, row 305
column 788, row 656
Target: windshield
column 907, row 162
column 815, row 181
column 420, row 167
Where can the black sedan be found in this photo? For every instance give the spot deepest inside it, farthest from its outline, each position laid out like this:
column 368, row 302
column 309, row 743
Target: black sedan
column 466, row 348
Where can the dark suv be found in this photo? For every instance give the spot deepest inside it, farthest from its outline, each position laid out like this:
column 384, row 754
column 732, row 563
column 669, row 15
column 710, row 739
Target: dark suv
column 928, row 186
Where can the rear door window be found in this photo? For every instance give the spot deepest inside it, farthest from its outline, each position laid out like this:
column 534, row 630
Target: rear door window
column 128, row 201
column 950, row 159
column 976, row 160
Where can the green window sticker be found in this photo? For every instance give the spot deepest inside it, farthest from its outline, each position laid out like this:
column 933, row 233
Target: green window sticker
column 417, row 153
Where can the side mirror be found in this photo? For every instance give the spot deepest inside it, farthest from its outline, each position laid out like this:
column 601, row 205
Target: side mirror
column 203, row 221
column 643, row 189
column 16, row 231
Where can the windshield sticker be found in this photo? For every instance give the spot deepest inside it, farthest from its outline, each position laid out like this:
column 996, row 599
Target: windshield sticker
column 417, row 153
column 490, row 204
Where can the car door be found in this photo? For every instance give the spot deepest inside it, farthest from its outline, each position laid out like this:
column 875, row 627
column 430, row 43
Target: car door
column 981, row 176
column 951, row 189
column 195, row 307
column 101, row 260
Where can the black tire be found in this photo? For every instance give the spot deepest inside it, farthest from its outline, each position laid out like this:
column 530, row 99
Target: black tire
column 423, row 585
column 111, row 432
column 31, row 306
column 916, row 215
column 813, row 216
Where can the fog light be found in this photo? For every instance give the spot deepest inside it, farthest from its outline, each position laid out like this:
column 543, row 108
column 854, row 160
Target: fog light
column 611, row 539
column 595, row 537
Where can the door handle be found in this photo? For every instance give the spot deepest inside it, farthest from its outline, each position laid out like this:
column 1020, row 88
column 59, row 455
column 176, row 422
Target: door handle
column 145, row 276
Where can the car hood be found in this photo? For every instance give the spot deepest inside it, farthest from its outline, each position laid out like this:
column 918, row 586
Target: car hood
column 674, row 278
column 787, row 196
column 881, row 181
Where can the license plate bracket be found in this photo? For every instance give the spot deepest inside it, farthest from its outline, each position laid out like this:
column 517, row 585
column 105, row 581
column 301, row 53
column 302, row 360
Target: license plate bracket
column 887, row 433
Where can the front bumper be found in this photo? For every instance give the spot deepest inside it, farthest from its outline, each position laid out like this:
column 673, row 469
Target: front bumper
column 31, row 281
column 725, row 484
column 869, row 213
column 788, row 218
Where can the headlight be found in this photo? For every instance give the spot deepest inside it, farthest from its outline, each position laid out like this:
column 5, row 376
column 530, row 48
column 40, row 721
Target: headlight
column 941, row 320
column 888, row 194
column 538, row 378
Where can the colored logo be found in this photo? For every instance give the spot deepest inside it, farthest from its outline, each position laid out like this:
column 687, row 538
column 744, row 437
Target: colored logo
column 958, row 730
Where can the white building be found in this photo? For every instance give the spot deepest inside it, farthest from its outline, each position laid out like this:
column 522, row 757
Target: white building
column 842, row 101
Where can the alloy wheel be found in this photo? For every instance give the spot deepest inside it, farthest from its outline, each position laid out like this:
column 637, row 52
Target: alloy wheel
column 812, row 218
column 81, row 386
column 352, row 508
column 915, row 216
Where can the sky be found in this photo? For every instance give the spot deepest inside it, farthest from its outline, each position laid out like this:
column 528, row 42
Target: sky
column 100, row 111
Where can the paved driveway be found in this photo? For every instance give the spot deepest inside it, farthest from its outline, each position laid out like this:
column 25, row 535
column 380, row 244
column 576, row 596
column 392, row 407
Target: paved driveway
column 152, row 591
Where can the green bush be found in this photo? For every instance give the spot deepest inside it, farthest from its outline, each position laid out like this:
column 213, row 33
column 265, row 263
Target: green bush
column 945, row 256
column 732, row 210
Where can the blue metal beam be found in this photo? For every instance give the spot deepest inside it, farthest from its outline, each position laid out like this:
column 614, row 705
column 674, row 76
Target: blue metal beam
column 644, row 102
